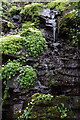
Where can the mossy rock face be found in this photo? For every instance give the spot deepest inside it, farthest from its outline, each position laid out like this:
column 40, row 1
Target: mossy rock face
column 68, row 26
column 30, row 12
column 45, row 107
column 54, row 107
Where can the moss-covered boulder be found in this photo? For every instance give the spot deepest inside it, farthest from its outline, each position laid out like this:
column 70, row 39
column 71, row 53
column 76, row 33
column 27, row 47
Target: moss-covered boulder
column 30, row 12
column 30, row 41
column 34, row 43
column 11, row 44
column 46, row 107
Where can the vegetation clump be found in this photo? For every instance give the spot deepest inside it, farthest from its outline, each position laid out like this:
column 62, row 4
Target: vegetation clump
column 14, row 10
column 10, row 69
column 59, row 6
column 11, row 44
column 26, row 28
column 30, row 12
column 26, row 114
column 27, row 25
column 27, row 76
column 35, row 44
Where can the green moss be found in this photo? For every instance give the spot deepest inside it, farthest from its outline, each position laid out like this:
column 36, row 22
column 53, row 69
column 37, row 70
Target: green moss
column 10, row 25
column 13, row 10
column 27, row 25
column 67, row 20
column 35, row 95
column 6, row 3
column 27, row 76
column 52, row 4
column 58, row 5
column 26, row 28
column 11, row 44
column 30, row 31
column 62, row 7
column 30, row 12
column 41, row 99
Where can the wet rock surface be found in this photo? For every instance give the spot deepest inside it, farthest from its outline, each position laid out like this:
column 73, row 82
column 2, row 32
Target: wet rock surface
column 58, row 73
column 60, row 64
